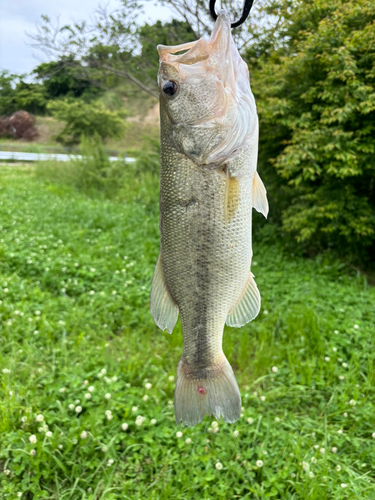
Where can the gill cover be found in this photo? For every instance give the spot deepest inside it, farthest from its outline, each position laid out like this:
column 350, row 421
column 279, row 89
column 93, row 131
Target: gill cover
column 212, row 112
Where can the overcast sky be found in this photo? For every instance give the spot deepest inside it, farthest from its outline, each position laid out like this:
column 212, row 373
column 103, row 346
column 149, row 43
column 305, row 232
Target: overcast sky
column 19, row 16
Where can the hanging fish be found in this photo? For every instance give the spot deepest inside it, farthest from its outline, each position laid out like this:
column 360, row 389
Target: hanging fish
column 208, row 186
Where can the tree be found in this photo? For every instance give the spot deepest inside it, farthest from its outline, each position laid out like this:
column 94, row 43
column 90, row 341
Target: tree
column 86, row 119
column 115, row 44
column 315, row 86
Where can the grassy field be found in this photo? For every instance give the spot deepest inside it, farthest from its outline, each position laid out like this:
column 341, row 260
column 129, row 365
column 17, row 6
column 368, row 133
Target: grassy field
column 87, row 379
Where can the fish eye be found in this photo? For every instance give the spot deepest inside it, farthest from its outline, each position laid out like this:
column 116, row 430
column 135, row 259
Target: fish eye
column 170, row 87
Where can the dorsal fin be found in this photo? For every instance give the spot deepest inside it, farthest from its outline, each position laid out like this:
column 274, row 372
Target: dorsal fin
column 260, row 202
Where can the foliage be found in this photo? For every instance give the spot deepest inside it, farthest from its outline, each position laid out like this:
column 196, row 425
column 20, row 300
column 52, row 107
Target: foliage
column 66, row 78
column 88, row 119
column 16, row 95
column 315, row 85
column 76, row 333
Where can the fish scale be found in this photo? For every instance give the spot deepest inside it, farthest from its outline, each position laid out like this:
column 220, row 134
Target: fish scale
column 207, row 191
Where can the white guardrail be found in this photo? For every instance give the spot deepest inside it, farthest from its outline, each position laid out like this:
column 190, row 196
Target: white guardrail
column 10, row 155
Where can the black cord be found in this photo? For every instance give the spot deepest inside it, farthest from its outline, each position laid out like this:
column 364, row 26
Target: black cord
column 245, row 12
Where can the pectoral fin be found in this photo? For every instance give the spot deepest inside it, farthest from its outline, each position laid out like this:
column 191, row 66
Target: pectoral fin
column 163, row 309
column 248, row 306
column 260, row 202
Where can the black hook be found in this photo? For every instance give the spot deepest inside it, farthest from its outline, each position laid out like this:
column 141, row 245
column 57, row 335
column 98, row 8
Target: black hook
column 245, row 12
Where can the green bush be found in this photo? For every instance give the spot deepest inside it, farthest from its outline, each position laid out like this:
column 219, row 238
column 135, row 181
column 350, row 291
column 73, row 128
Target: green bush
column 88, row 119
column 315, row 86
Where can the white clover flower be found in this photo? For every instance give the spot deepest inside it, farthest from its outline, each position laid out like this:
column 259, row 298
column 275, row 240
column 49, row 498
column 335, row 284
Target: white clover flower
column 352, row 402
column 37, row 313
column 236, row 434
column 265, row 452
column 114, row 292
column 338, row 468
column 145, row 397
column 336, row 332
column 215, row 430
column 103, row 371
column 171, row 378
column 63, row 389
column 104, row 449
column 341, row 377
column 78, row 409
column 275, row 369
column 250, row 420
column 6, row 370
column 109, row 415
column 334, row 349
column 214, row 424
column 356, row 327
column 322, row 450
column 6, row 472
column 24, row 419
column 139, row 420
column 39, row 418
column 316, row 446
column 83, row 435
column 148, row 385
column 33, row 439
column 345, row 365
column 153, row 422
column 71, row 407
column 49, row 434
column 60, row 446
column 277, row 420
column 178, row 434
column 311, row 474
column 114, row 379
column 259, row 463
column 345, row 414
column 218, row 466
column 32, row 452
column 134, row 409
column 88, row 395
column 340, row 431
column 188, row 441
column 313, row 460
column 170, row 403
column 334, row 449
column 209, row 429
column 92, row 269
column 343, row 485
column 108, row 396
column 125, row 426
column 265, row 312
column 91, row 388
column 305, row 465
column 263, row 398
column 110, row 462
column 373, row 435
column 327, row 358
column 77, row 401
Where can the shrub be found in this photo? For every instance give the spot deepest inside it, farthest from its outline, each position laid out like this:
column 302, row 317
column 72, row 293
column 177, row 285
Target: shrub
column 315, row 90
column 21, row 125
column 88, row 119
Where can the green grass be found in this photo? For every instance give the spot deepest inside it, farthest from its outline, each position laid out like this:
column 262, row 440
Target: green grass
column 75, row 274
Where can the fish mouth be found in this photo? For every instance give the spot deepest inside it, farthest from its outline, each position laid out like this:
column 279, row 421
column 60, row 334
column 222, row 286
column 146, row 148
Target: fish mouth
column 217, row 54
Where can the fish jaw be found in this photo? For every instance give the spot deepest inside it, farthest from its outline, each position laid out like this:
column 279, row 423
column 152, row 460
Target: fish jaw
column 213, row 113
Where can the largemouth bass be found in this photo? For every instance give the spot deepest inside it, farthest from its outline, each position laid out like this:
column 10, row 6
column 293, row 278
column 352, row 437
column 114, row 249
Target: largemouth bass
column 208, row 186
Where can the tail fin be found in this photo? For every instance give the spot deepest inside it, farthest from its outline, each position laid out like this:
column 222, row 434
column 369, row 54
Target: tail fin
column 215, row 394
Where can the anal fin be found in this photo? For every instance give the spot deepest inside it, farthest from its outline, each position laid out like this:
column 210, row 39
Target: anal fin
column 260, row 202
column 163, row 309
column 247, row 307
